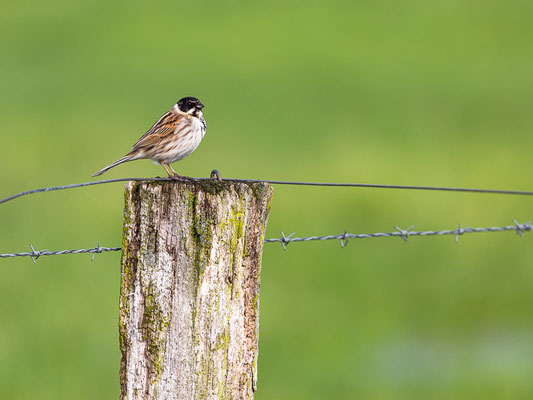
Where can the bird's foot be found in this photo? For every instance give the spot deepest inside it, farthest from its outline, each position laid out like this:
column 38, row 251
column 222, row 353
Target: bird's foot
column 180, row 178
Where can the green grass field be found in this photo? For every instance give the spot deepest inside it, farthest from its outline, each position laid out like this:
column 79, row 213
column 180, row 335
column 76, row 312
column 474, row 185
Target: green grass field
column 414, row 92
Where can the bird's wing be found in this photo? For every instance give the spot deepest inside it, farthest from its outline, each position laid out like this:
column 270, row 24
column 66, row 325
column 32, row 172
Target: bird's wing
column 164, row 126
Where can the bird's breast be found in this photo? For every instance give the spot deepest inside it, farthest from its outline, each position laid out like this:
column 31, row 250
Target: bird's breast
column 199, row 125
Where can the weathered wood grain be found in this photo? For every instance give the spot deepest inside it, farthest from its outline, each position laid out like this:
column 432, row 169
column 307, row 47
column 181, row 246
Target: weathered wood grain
column 189, row 299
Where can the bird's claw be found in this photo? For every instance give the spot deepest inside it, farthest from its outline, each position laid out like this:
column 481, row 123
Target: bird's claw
column 180, row 178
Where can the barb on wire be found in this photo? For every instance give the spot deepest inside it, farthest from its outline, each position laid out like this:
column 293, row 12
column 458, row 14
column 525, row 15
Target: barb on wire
column 34, row 255
column 344, row 239
column 458, row 232
column 519, row 228
column 98, row 250
column 216, row 176
column 285, row 240
column 404, row 234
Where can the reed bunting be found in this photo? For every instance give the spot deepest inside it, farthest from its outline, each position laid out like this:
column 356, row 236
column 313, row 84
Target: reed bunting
column 172, row 138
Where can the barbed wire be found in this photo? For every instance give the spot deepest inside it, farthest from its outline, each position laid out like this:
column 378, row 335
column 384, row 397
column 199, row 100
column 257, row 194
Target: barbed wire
column 404, row 234
column 35, row 254
column 273, row 182
column 519, row 228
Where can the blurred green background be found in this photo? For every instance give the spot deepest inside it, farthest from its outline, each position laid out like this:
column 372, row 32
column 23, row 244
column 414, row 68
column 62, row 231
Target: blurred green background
column 411, row 92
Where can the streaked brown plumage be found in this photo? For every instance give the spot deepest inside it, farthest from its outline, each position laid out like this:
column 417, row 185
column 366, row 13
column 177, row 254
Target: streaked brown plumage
column 172, row 138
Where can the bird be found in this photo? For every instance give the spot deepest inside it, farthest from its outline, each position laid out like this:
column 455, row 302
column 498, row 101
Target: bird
column 172, row 138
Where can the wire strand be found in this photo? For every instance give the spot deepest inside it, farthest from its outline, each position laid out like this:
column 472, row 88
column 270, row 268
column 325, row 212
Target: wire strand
column 273, row 182
column 405, row 234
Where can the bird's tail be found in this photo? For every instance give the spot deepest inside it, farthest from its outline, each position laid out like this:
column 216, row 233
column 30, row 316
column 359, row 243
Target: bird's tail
column 122, row 160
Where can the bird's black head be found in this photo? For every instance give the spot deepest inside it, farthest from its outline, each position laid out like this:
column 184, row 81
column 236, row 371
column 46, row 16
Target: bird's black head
column 190, row 105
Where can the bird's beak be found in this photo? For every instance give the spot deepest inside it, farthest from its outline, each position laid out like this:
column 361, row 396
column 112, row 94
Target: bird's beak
column 200, row 105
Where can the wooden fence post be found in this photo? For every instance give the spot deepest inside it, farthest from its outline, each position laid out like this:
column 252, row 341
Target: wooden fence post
column 189, row 297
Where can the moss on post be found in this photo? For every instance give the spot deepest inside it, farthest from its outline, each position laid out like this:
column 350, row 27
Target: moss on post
column 189, row 299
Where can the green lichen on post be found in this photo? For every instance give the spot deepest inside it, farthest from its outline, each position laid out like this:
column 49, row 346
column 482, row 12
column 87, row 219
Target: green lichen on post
column 201, row 234
column 155, row 323
column 260, row 190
